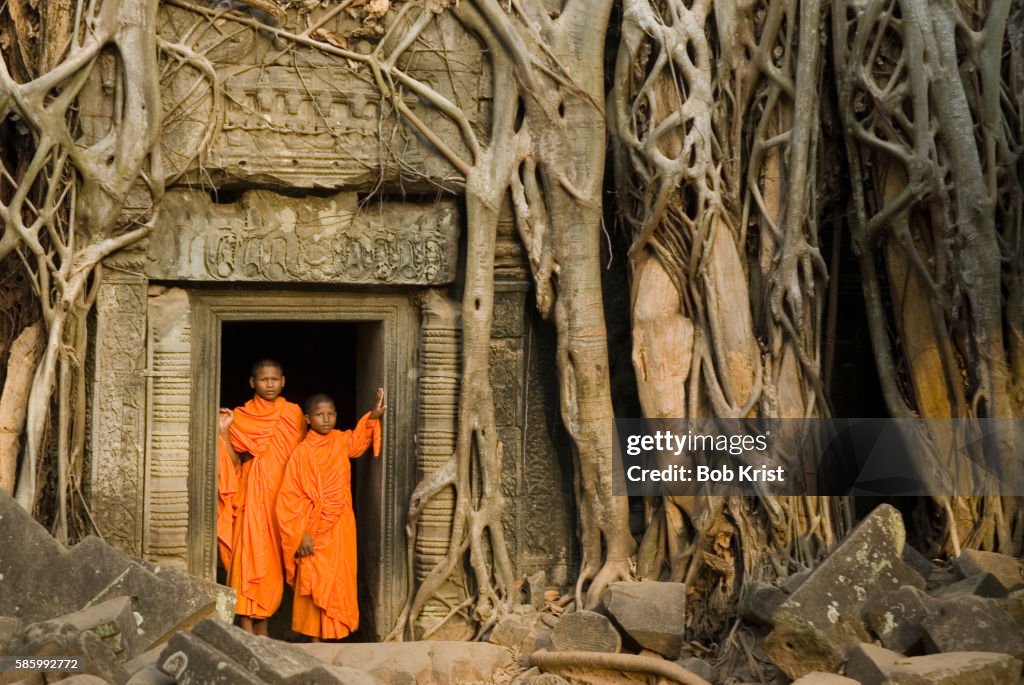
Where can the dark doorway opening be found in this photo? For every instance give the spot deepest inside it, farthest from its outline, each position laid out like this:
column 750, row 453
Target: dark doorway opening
column 333, row 357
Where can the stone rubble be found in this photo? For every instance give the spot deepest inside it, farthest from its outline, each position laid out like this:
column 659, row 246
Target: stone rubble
column 861, row 615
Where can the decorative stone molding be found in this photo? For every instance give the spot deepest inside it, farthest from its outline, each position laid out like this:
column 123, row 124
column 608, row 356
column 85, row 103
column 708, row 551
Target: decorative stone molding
column 118, row 438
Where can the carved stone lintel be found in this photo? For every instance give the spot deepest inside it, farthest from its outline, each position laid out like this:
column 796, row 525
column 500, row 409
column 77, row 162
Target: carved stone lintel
column 273, row 238
column 118, row 409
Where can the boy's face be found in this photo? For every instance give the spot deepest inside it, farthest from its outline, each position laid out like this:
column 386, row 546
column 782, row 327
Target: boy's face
column 268, row 382
column 322, row 417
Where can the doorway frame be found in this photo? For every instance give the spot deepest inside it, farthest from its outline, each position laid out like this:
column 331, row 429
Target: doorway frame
column 397, row 315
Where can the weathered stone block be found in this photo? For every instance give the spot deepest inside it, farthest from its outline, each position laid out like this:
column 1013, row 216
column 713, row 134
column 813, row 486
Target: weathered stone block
column 896, row 619
column 651, row 612
column 585, row 631
column 45, row 580
column 970, row 623
column 698, row 667
column 918, row 561
column 760, row 601
column 980, row 584
column 419, row 663
column 269, row 660
column 518, row 633
column 1004, row 567
column 190, row 661
column 817, row 624
column 113, row 621
column 872, row 665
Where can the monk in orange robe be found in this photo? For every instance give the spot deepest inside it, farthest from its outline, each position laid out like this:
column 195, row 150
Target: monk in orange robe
column 254, row 444
column 318, row 527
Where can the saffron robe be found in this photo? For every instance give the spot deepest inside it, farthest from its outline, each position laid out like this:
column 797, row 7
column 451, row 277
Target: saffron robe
column 247, row 532
column 316, row 499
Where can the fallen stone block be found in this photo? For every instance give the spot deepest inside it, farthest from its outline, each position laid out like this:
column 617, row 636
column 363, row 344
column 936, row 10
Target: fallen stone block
column 819, row 678
column 519, row 633
column 113, row 621
column 896, row 619
column 872, row 665
column 1004, row 567
column 56, row 639
column 585, row 631
column 868, row 663
column 760, row 601
column 980, row 584
column 816, row 625
column 81, row 679
column 918, row 562
column 419, row 663
column 973, row 624
column 651, row 612
column 46, row 580
column 190, row 661
column 699, row 667
column 273, row 661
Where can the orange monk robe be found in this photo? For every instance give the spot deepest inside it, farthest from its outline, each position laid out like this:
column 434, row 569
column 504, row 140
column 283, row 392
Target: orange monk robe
column 269, row 431
column 316, row 499
column 230, row 490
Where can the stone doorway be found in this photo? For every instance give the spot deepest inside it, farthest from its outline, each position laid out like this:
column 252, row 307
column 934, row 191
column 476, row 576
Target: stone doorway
column 365, row 340
column 332, row 357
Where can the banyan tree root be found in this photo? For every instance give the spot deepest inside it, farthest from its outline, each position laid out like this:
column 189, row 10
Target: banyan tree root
column 552, row 661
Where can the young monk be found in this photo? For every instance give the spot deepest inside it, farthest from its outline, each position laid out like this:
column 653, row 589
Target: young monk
column 318, row 527
column 254, row 443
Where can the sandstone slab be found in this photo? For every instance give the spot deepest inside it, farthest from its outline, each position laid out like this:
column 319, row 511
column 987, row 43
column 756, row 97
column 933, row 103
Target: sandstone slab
column 980, row 584
column 872, row 665
column 1004, row 567
column 419, row 663
column 651, row 612
column 970, row 623
column 44, row 580
column 190, row 661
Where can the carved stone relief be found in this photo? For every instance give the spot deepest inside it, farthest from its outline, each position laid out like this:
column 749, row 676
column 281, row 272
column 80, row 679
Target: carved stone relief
column 117, row 441
column 273, row 238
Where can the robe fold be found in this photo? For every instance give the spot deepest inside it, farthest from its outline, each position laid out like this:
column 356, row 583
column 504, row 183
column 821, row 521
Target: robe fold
column 316, row 499
column 247, row 531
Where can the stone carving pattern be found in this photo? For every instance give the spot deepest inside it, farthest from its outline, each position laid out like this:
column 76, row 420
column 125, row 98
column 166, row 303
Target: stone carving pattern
column 546, row 484
column 119, row 398
column 167, row 462
column 436, row 437
column 418, row 255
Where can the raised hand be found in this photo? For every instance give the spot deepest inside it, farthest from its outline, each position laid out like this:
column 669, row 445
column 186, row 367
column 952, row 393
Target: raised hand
column 224, row 419
column 378, row 410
